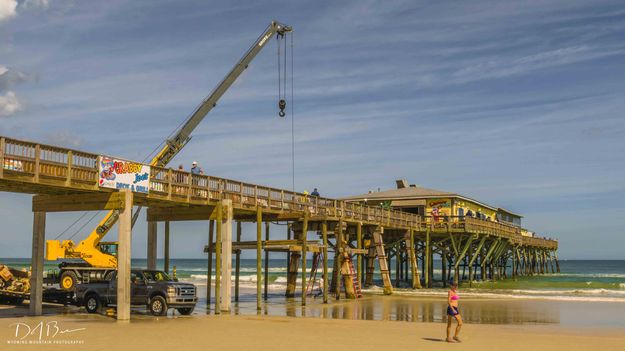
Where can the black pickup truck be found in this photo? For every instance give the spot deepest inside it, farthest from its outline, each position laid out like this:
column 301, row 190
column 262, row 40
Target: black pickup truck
column 154, row 289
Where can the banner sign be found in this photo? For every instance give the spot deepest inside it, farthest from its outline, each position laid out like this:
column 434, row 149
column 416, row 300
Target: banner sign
column 121, row 174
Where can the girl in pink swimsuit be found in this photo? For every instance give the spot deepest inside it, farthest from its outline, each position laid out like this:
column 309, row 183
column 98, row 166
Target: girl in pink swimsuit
column 453, row 312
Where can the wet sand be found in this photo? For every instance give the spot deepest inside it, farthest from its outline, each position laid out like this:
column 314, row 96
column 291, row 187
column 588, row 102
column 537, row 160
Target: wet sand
column 373, row 322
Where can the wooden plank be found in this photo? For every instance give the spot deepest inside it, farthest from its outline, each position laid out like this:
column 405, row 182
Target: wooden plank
column 78, row 202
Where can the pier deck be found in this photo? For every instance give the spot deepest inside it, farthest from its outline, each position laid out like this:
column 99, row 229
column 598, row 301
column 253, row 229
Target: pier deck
column 68, row 180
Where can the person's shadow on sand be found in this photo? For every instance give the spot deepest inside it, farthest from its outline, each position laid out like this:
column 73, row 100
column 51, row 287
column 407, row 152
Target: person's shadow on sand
column 434, row 339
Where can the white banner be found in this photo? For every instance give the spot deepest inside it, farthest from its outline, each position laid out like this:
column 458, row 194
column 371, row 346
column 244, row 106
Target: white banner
column 122, row 174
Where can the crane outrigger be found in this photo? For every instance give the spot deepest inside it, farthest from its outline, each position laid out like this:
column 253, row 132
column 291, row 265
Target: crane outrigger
column 99, row 257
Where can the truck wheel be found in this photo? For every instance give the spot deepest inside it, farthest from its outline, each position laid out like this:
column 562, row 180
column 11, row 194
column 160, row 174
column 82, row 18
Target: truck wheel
column 185, row 310
column 68, row 280
column 158, row 306
column 92, row 304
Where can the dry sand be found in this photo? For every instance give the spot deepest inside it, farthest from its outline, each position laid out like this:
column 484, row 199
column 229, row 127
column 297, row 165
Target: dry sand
column 242, row 332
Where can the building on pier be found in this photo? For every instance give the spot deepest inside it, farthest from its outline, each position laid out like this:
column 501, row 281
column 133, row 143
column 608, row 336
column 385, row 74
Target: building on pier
column 435, row 203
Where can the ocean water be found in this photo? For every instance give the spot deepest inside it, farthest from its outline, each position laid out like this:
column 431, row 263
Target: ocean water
column 579, row 280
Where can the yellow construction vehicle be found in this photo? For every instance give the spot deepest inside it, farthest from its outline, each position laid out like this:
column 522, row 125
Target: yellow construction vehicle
column 99, row 259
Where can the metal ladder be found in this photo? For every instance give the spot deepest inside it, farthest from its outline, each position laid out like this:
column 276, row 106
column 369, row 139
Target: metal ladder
column 317, row 257
column 352, row 273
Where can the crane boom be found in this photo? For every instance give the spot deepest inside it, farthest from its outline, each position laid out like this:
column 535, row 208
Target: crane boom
column 183, row 135
column 88, row 249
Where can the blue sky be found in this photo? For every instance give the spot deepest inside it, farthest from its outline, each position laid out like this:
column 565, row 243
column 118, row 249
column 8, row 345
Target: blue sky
column 519, row 104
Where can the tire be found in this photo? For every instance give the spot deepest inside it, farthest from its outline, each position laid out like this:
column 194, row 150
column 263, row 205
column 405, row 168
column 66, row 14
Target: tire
column 92, row 303
column 157, row 306
column 185, row 311
column 68, row 280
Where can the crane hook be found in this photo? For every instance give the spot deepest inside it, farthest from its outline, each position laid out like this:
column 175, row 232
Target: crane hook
column 281, row 106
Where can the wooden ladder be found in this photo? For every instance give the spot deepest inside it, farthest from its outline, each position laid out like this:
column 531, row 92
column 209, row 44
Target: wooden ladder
column 382, row 261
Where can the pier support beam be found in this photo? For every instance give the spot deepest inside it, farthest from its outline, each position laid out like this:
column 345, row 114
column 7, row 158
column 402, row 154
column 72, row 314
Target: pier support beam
column 370, row 266
column 152, row 244
column 324, row 234
column 218, row 234
column 226, row 256
column 266, row 280
column 209, row 266
column 414, row 268
column 237, row 264
column 166, row 249
column 304, row 239
column 36, row 278
column 294, row 257
column 259, row 248
column 359, row 247
column 426, row 256
column 124, row 256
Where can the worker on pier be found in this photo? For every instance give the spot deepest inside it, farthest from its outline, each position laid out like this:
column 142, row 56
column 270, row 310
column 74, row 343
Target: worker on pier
column 315, row 192
column 195, row 169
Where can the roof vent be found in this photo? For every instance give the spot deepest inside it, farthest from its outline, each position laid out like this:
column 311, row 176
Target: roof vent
column 401, row 183
column 413, row 185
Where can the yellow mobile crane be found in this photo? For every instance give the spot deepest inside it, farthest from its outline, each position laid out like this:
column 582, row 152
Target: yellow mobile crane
column 100, row 258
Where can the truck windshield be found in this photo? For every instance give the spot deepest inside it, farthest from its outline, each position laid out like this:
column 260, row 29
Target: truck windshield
column 157, row 276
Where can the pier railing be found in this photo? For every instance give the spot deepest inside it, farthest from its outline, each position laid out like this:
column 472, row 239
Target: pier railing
column 61, row 167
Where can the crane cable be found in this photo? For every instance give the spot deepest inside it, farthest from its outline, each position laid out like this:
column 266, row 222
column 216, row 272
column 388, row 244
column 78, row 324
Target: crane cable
column 281, row 105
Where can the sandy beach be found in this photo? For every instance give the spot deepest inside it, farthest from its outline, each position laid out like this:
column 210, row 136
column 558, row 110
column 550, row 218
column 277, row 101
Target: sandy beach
column 228, row 332
column 371, row 323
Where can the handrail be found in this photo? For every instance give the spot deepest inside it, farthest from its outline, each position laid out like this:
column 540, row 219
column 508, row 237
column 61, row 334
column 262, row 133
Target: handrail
column 79, row 167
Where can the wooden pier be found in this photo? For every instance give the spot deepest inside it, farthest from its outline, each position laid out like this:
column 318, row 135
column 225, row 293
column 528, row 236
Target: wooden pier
column 67, row 180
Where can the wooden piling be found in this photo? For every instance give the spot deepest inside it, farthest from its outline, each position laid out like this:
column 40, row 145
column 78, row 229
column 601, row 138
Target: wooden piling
column 237, row 263
column 426, row 257
column 414, row 268
column 218, row 219
column 36, row 278
column 359, row 246
column 259, row 248
column 166, row 249
column 124, row 254
column 324, row 234
column 209, row 274
column 304, row 247
column 266, row 279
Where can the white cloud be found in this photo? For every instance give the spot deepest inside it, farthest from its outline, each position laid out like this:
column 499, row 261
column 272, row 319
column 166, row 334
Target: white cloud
column 39, row 4
column 9, row 104
column 7, row 9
